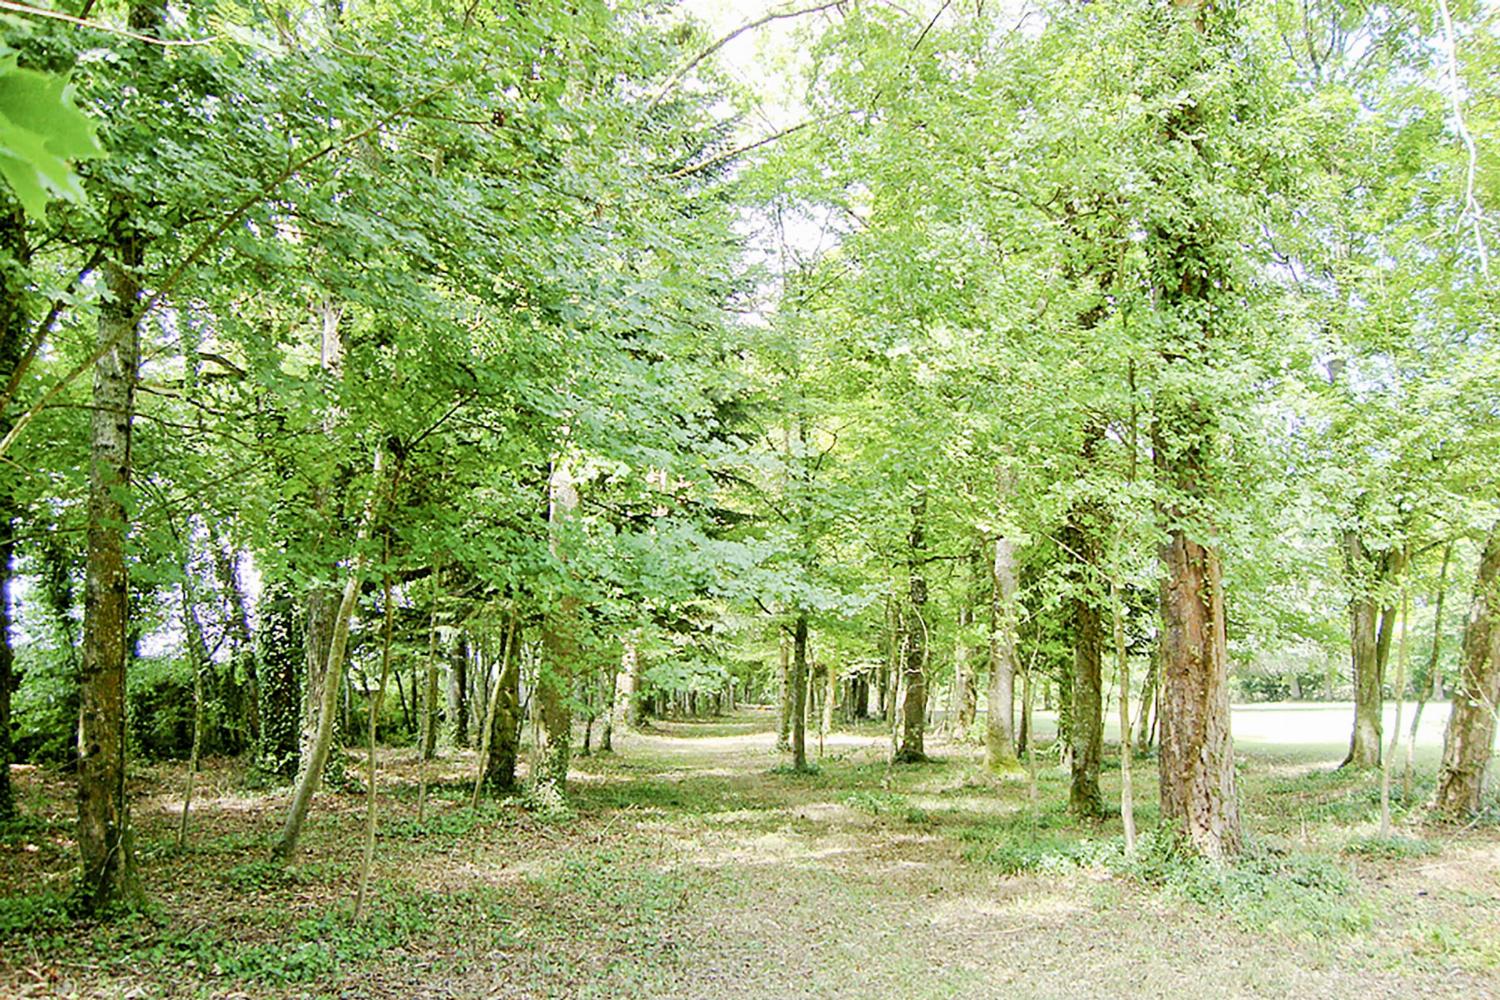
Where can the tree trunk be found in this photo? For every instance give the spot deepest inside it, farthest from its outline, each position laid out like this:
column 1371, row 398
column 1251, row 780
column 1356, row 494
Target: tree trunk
column 14, row 327
column 914, row 674
column 1143, row 726
column 784, row 691
column 1086, row 718
column 559, row 646
column 430, row 679
column 281, row 661
column 799, row 692
column 965, row 682
column 104, row 838
column 458, row 691
column 627, row 693
column 1197, row 753
column 999, row 735
column 321, row 619
column 332, row 675
column 505, row 732
column 503, row 704
column 1469, row 741
column 1365, row 642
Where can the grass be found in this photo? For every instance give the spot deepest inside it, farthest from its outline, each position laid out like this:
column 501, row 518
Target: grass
column 692, row 864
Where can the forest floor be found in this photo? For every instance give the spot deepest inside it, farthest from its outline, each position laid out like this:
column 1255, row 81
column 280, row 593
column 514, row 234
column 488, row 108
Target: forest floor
column 691, row 865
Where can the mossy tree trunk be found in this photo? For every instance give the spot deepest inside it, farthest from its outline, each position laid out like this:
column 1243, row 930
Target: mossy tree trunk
column 914, row 667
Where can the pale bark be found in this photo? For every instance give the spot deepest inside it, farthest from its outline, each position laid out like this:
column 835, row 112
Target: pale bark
column 559, row 645
column 627, row 693
column 999, row 736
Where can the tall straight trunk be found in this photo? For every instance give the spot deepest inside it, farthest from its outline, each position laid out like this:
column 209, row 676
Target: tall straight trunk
column 999, row 733
column 1365, row 649
column 319, row 619
column 965, row 666
column 1194, row 278
column 104, row 839
column 914, row 672
column 799, row 692
column 609, row 692
column 559, row 645
column 1086, row 721
column 1086, row 724
column 1469, row 741
column 627, row 690
column 13, row 329
column 332, row 676
column 430, row 676
column 281, row 664
column 458, row 691
column 1400, row 693
column 1122, row 671
column 784, row 695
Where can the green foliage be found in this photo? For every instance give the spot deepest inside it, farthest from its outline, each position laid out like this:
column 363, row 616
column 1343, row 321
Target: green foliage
column 41, row 129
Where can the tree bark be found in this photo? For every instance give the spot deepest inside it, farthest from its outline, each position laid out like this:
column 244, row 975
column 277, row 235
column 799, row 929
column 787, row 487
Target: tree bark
column 784, row 699
column 628, row 710
column 999, row 735
column 1469, row 741
column 332, row 676
column 799, row 692
column 559, row 645
column 1197, row 753
column 281, row 661
column 1086, row 718
column 458, row 691
column 914, row 673
column 104, row 838
column 965, row 669
column 1369, row 643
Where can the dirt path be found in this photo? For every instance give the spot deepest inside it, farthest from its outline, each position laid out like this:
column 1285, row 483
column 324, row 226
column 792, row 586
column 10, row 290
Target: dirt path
column 695, row 867
column 788, row 889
